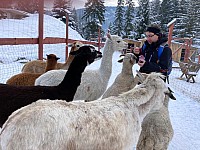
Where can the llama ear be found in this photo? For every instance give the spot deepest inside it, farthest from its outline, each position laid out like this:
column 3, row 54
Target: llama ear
column 48, row 56
column 70, row 45
column 57, row 58
column 134, row 57
column 170, row 94
column 92, row 48
column 109, row 35
column 141, row 76
column 120, row 60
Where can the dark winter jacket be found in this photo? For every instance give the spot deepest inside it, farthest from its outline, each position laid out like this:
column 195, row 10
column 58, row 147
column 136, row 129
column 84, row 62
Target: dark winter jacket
column 150, row 53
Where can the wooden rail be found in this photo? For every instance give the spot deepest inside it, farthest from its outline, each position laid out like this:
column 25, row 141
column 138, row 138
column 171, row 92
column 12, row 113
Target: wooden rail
column 47, row 40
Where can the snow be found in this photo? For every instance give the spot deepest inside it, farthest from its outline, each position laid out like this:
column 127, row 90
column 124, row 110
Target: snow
column 171, row 22
column 184, row 112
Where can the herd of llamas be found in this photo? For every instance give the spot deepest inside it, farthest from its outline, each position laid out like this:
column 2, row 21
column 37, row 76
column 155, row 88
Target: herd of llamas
column 51, row 105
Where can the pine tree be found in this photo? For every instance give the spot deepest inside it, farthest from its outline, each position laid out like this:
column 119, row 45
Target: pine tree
column 197, row 22
column 111, row 28
column 181, row 23
column 129, row 17
column 193, row 27
column 191, row 19
column 73, row 20
column 154, row 12
column 119, row 21
column 94, row 17
column 60, row 8
column 80, row 22
column 167, row 13
column 142, row 17
column 31, row 6
column 175, row 14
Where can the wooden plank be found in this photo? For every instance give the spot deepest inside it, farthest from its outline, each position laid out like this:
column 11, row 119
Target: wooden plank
column 18, row 41
column 47, row 40
column 54, row 40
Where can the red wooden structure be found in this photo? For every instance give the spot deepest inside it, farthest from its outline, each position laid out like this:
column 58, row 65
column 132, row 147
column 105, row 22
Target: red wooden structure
column 187, row 42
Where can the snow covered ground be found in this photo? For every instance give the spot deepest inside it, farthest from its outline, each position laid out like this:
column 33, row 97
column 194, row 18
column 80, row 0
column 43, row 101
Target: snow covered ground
column 184, row 112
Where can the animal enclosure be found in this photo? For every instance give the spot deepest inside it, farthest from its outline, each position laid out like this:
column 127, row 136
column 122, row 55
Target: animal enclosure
column 30, row 36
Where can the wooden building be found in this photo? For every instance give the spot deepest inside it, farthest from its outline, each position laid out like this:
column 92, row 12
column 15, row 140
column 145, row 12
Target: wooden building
column 6, row 13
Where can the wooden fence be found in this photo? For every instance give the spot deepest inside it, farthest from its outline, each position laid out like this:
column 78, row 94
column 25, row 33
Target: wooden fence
column 48, row 40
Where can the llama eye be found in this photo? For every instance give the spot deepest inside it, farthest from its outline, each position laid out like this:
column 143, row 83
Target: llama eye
column 77, row 45
column 118, row 41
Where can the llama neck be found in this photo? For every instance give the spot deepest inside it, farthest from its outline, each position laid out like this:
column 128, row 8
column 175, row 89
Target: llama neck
column 68, row 62
column 51, row 65
column 166, row 101
column 73, row 75
column 142, row 98
column 127, row 69
column 145, row 108
column 106, row 62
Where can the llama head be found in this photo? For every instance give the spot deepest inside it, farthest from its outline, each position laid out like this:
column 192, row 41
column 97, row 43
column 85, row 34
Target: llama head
column 156, row 80
column 127, row 58
column 76, row 45
column 52, row 57
column 118, row 43
column 143, row 76
column 89, row 52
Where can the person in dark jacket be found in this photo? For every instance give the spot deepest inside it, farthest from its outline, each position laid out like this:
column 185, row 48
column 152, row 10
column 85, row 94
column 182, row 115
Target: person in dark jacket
column 148, row 54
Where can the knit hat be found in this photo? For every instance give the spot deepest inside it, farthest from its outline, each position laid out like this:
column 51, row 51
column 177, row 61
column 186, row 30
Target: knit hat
column 154, row 30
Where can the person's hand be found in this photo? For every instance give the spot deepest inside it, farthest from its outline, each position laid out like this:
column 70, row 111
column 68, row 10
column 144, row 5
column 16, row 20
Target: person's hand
column 141, row 61
column 136, row 50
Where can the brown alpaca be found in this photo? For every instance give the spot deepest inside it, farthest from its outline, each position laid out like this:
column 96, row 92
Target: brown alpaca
column 28, row 79
column 38, row 66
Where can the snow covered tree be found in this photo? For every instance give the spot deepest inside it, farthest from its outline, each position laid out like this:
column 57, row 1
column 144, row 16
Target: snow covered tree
column 191, row 19
column 196, row 26
column 174, row 14
column 181, row 23
column 168, row 12
column 119, row 18
column 142, row 17
column 129, row 17
column 73, row 20
column 193, row 26
column 111, row 28
column 60, row 8
column 154, row 12
column 94, row 17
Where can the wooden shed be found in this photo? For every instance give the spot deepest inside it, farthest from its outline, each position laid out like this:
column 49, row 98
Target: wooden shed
column 134, row 42
column 179, row 50
column 6, row 13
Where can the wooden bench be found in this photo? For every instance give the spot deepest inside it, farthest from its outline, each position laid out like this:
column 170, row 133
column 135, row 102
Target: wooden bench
column 190, row 70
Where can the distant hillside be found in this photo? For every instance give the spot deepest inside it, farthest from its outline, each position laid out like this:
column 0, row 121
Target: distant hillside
column 109, row 16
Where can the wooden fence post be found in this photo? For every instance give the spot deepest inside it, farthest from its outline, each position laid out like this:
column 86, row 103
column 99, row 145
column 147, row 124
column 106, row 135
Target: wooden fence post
column 67, row 36
column 41, row 29
column 170, row 25
column 99, row 38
